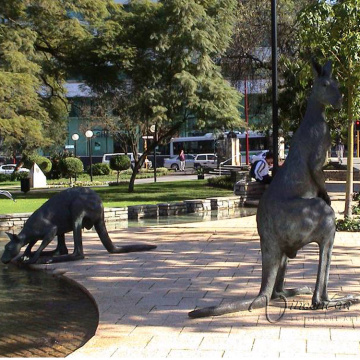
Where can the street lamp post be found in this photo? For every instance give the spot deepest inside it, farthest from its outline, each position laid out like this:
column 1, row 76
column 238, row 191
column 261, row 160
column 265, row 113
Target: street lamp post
column 89, row 134
column 75, row 138
column 106, row 133
column 274, row 85
column 153, row 129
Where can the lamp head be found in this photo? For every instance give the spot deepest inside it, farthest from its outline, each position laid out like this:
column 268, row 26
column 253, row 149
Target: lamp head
column 89, row 134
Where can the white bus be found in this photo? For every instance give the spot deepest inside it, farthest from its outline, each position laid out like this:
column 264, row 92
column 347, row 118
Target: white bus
column 207, row 144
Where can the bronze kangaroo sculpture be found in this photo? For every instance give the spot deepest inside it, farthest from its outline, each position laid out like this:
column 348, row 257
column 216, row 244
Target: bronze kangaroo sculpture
column 70, row 210
column 295, row 210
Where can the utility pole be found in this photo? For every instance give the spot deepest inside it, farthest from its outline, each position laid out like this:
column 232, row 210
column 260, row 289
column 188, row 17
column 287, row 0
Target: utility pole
column 274, row 85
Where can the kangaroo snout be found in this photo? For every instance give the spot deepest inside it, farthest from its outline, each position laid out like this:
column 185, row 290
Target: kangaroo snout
column 5, row 259
column 338, row 102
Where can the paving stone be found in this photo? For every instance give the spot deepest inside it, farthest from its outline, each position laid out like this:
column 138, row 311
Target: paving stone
column 144, row 298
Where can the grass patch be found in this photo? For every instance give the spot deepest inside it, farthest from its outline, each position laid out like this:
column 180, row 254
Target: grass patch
column 84, row 178
column 118, row 196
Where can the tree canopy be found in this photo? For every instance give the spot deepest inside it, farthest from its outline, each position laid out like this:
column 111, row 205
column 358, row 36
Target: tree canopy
column 38, row 44
column 331, row 30
column 149, row 63
column 170, row 71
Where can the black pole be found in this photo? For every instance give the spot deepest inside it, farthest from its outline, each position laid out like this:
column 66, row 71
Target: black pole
column 91, row 172
column 274, row 85
column 155, row 139
column 75, row 157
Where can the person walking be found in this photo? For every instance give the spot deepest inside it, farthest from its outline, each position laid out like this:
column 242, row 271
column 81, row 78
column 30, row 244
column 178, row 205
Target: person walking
column 182, row 160
column 340, row 151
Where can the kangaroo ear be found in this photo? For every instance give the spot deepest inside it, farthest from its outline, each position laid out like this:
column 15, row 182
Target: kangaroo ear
column 12, row 237
column 327, row 69
column 317, row 69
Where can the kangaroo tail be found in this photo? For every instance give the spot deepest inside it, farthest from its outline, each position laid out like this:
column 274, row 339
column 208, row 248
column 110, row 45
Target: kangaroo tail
column 111, row 248
column 133, row 248
column 258, row 302
column 104, row 236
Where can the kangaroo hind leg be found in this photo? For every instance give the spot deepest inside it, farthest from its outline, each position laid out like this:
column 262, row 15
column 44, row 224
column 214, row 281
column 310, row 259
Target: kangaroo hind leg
column 271, row 262
column 280, row 280
column 77, row 254
column 325, row 250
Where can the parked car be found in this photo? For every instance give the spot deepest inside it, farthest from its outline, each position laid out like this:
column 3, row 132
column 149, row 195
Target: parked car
column 106, row 159
column 206, row 160
column 10, row 168
column 258, row 156
column 173, row 162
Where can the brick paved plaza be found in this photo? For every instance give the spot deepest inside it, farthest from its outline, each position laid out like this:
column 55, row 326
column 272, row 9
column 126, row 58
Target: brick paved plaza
column 144, row 298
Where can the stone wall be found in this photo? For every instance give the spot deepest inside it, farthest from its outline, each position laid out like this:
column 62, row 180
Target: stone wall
column 15, row 221
column 340, row 175
column 121, row 215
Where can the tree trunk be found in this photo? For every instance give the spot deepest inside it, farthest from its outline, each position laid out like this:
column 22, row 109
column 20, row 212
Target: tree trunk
column 148, row 151
column 133, row 176
column 350, row 156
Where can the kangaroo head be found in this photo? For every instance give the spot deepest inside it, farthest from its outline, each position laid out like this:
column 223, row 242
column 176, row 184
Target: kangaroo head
column 12, row 248
column 325, row 89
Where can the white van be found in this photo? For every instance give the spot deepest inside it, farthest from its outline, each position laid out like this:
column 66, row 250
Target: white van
column 205, row 160
column 106, row 159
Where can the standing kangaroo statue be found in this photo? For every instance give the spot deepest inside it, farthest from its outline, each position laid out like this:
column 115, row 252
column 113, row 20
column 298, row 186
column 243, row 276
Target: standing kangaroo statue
column 295, row 210
column 70, row 210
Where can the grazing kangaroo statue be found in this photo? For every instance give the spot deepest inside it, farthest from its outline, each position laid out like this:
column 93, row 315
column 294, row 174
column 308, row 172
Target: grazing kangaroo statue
column 295, row 210
column 70, row 210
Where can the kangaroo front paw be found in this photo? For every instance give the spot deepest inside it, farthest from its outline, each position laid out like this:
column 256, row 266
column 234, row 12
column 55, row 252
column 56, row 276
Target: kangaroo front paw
column 27, row 260
column 325, row 197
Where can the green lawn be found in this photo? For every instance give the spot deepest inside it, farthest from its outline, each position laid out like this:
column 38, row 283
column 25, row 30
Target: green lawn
column 118, row 196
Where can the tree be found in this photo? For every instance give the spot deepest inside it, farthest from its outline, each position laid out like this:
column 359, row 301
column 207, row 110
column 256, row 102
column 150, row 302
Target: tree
column 119, row 163
column 172, row 72
column 249, row 55
column 71, row 167
column 21, row 112
column 44, row 163
column 331, row 30
column 40, row 42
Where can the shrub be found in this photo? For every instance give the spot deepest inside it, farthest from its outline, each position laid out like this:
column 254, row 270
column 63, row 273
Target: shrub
column 162, row 170
column 18, row 175
column 119, row 163
column 56, row 160
column 71, row 166
column 356, row 209
column 127, row 172
column 101, row 169
column 348, row 225
column 5, row 177
column 223, row 182
column 44, row 163
column 113, row 183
